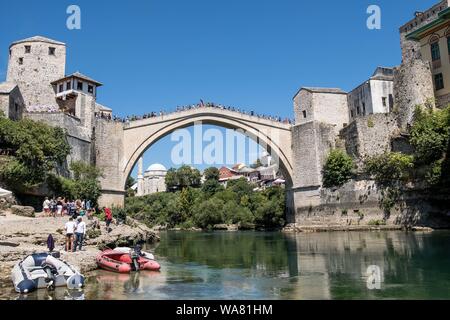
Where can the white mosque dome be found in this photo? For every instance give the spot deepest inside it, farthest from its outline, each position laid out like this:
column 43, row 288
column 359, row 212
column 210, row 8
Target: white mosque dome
column 156, row 167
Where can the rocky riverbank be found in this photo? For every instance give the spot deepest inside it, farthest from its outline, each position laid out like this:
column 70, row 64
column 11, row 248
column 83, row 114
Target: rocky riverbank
column 21, row 236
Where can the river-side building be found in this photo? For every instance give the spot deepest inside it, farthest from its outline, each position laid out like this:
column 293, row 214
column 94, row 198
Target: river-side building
column 427, row 36
column 37, row 87
column 376, row 95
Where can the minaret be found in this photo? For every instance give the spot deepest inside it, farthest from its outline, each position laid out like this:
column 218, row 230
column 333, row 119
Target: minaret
column 140, row 178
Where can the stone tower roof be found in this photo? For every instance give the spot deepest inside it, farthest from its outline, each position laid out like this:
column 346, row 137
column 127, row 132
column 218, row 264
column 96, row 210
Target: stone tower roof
column 38, row 39
column 79, row 75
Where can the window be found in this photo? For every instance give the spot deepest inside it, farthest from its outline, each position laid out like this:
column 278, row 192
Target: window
column 391, row 102
column 448, row 44
column 91, row 89
column 304, row 114
column 358, row 110
column 20, row 61
column 352, row 113
column 384, row 101
column 439, row 81
column 68, row 85
column 435, row 53
column 51, row 51
column 61, row 88
column 80, row 85
column 364, row 109
column 27, row 49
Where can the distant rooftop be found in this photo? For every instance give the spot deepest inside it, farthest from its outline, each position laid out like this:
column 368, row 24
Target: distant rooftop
column 38, row 39
column 79, row 75
column 7, row 87
column 383, row 73
column 321, row 90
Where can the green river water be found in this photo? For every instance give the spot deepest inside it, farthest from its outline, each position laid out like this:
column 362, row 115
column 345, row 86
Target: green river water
column 273, row 265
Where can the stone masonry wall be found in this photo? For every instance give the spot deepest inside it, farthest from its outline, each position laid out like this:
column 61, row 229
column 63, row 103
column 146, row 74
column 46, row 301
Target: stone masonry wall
column 413, row 85
column 369, row 136
column 37, row 71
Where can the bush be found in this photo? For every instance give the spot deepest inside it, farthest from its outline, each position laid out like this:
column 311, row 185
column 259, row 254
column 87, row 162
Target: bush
column 209, row 213
column 36, row 149
column 197, row 207
column 390, row 169
column 377, row 223
column 430, row 134
column 338, row 169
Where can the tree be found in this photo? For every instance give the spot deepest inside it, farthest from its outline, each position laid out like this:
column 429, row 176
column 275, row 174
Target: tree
column 128, row 186
column 257, row 164
column 338, row 169
column 35, row 150
column 209, row 213
column 185, row 176
column 211, row 187
column 430, row 134
column 84, row 185
column 212, row 173
column 391, row 171
column 240, row 187
column 130, row 182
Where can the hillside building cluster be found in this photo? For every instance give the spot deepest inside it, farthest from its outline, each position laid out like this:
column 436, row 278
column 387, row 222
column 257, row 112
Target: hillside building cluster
column 374, row 117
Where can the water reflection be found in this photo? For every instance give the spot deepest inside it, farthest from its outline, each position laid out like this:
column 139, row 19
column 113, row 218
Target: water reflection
column 57, row 294
column 253, row 265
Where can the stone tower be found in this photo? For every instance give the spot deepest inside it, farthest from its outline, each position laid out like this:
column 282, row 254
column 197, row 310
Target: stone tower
column 33, row 64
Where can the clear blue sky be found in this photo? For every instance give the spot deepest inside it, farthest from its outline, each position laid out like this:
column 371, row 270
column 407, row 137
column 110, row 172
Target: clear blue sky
column 253, row 54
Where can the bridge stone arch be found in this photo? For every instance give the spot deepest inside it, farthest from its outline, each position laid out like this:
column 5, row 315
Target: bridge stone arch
column 120, row 145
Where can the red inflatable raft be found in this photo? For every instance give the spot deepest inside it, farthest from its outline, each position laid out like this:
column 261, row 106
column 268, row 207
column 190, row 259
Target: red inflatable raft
column 123, row 262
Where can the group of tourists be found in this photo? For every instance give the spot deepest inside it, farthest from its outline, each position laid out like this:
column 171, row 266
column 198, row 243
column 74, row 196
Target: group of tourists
column 75, row 233
column 76, row 228
column 61, row 206
column 109, row 117
column 76, row 210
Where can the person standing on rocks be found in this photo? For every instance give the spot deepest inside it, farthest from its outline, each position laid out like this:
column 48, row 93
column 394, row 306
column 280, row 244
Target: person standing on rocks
column 53, row 207
column 70, row 229
column 108, row 217
column 59, row 207
column 46, row 206
column 80, row 232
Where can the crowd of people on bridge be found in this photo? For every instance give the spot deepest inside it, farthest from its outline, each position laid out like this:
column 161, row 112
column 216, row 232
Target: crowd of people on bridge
column 128, row 119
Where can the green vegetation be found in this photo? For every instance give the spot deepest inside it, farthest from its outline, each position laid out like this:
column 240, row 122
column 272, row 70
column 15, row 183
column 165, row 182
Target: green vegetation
column 377, row 223
column 211, row 204
column 184, row 177
column 429, row 164
column 338, row 169
column 84, row 185
column 34, row 149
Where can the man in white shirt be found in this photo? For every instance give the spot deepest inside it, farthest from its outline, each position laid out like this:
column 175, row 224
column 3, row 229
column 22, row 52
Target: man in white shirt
column 70, row 229
column 80, row 232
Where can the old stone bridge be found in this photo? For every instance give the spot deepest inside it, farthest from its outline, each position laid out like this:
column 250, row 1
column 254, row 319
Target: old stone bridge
column 120, row 145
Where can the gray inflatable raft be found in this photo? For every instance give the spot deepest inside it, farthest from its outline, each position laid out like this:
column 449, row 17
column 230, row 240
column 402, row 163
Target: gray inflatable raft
column 44, row 271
